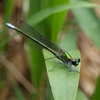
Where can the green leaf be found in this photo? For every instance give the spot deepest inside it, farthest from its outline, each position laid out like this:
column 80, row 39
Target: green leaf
column 9, row 7
column 96, row 95
column 37, row 66
column 69, row 41
column 64, row 84
column 41, row 15
column 54, row 23
column 81, row 95
column 17, row 92
column 36, row 56
column 88, row 22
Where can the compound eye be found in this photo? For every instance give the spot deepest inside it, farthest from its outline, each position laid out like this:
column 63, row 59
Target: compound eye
column 74, row 62
column 78, row 59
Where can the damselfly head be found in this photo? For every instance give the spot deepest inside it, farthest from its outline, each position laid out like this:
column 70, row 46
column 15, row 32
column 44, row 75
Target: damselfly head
column 75, row 62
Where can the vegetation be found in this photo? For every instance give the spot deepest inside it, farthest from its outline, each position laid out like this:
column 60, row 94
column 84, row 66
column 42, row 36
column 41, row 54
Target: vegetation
column 23, row 75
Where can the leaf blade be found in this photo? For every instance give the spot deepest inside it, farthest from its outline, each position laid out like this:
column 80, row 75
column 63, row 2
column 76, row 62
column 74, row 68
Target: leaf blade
column 64, row 84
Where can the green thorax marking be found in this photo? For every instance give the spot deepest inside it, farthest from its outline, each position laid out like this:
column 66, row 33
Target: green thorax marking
column 68, row 55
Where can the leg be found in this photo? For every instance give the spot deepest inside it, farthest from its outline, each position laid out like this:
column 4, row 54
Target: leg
column 70, row 70
column 55, row 66
column 48, row 58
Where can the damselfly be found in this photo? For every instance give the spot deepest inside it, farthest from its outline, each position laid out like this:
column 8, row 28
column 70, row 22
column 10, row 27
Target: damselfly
column 25, row 29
